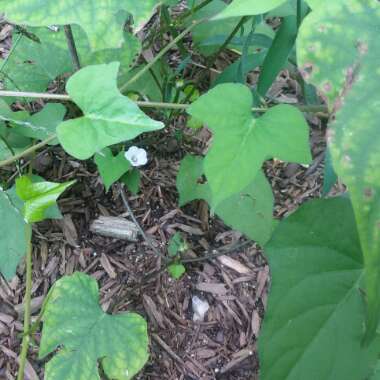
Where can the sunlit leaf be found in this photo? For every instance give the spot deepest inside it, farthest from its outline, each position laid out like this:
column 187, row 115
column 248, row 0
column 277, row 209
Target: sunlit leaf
column 109, row 117
column 243, row 142
column 74, row 321
column 38, row 196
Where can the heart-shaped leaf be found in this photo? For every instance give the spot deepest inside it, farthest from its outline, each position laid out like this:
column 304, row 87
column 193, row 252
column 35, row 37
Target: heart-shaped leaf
column 109, row 117
column 74, row 321
column 249, row 212
column 242, row 142
column 101, row 21
column 38, row 197
column 339, row 49
column 314, row 323
column 111, row 167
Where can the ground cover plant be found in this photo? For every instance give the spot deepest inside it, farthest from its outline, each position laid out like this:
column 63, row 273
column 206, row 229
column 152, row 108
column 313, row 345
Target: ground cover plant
column 109, row 88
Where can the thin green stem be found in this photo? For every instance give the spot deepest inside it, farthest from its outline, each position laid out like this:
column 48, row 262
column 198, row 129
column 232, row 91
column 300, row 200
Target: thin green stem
column 144, row 104
column 27, row 302
column 173, row 30
column 28, row 151
column 228, row 40
column 140, row 73
column 39, row 95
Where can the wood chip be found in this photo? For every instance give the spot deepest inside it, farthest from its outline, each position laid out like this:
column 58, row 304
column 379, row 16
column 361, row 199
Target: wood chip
column 219, row 289
column 107, row 266
column 69, row 231
column 115, row 227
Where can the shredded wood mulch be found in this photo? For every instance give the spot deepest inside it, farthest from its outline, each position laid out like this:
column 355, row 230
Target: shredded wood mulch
column 130, row 275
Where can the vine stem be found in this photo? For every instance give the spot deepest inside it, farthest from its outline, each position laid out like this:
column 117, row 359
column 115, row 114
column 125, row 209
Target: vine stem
column 30, row 150
column 27, row 302
column 228, row 39
column 161, row 54
column 145, row 104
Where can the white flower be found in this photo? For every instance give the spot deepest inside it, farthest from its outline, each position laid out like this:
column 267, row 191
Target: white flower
column 136, row 156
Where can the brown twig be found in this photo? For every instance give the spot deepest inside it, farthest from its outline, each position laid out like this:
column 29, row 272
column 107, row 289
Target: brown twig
column 72, row 47
column 135, row 221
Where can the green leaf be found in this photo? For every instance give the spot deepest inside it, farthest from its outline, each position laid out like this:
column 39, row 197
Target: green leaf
column 329, row 175
column 176, row 270
column 38, row 196
column 111, row 167
column 101, row 22
column 189, row 181
column 51, row 212
column 32, row 64
column 313, row 326
column 249, row 212
column 242, row 142
column 109, row 117
column 376, row 373
column 74, row 321
column 39, row 126
column 12, row 234
column 278, row 53
column 13, row 239
column 177, row 245
column 239, row 8
column 151, row 84
column 208, row 36
column 338, row 49
column 36, row 62
column 132, row 180
column 289, row 8
column 238, row 71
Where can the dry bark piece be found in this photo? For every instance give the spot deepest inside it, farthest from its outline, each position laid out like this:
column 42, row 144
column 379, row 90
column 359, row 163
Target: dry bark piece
column 219, row 289
column 115, row 227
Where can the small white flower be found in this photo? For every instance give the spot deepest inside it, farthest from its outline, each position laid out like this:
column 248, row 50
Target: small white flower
column 136, row 156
